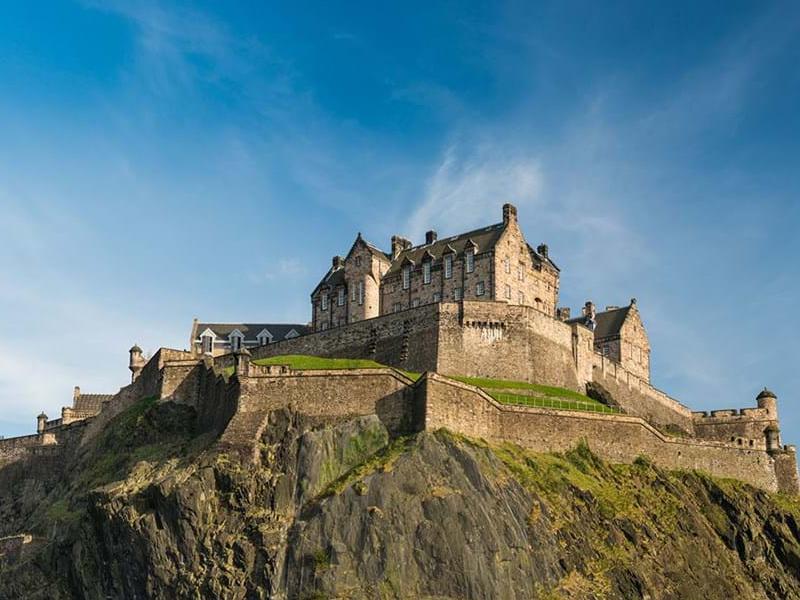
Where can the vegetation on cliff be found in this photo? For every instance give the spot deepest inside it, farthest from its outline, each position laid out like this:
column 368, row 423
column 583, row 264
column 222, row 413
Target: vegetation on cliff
column 149, row 509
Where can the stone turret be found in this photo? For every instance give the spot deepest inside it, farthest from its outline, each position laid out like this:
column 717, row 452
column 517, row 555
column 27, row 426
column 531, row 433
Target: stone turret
column 137, row 362
column 773, row 437
column 769, row 401
column 41, row 423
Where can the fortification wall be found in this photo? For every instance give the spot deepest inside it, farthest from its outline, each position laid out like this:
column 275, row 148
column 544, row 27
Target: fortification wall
column 494, row 339
column 744, row 427
column 617, row 438
column 327, row 395
column 12, row 449
column 637, row 397
column 406, row 339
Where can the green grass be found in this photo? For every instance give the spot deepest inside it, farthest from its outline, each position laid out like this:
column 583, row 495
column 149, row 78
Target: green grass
column 544, row 390
column 587, row 405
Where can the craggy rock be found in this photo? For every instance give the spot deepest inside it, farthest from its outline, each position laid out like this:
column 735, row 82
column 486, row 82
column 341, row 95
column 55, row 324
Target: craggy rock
column 342, row 511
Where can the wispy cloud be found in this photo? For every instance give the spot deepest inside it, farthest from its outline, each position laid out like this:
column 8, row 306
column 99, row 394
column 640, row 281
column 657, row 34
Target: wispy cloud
column 467, row 187
column 282, row 269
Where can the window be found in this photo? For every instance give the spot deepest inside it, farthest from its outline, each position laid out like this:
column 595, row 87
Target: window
column 397, row 307
column 325, row 326
column 520, row 273
column 437, row 297
column 448, row 266
column 507, row 265
column 426, row 272
column 236, row 343
column 324, row 301
column 508, row 292
column 341, row 297
column 457, row 294
column 360, row 292
column 415, row 303
column 480, row 288
column 208, row 344
column 522, row 297
column 264, row 338
column 352, row 294
column 406, row 277
column 358, row 261
column 469, row 258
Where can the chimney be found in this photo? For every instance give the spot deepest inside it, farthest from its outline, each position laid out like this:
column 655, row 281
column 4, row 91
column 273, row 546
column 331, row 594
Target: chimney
column 76, row 393
column 398, row 245
column 509, row 213
column 563, row 313
column 430, row 236
column 542, row 249
column 611, row 308
column 336, row 262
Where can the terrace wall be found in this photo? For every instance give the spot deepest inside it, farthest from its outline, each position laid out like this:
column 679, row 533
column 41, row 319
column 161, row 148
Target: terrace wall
column 618, row 438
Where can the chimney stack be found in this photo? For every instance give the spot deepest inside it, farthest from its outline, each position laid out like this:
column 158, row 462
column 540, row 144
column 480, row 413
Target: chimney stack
column 563, row 313
column 543, row 250
column 430, row 237
column 509, row 213
column 336, row 262
column 399, row 244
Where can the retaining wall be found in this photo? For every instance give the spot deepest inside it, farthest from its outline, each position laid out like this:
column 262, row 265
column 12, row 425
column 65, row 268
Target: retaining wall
column 617, row 438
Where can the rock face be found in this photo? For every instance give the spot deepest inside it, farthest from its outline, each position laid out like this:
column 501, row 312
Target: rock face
column 152, row 510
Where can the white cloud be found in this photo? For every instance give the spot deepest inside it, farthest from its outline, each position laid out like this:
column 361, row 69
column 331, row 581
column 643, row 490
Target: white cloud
column 284, row 268
column 467, row 189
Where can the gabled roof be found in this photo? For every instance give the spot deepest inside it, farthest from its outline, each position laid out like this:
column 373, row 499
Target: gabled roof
column 91, row 402
column 484, row 238
column 332, row 278
column 609, row 323
column 251, row 330
column 372, row 248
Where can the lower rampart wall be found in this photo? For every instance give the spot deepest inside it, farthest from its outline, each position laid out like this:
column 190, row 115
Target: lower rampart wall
column 637, row 397
column 617, row 438
column 327, row 395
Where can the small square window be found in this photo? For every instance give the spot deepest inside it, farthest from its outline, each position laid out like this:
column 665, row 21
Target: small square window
column 457, row 294
column 437, row 297
column 480, row 288
column 508, row 292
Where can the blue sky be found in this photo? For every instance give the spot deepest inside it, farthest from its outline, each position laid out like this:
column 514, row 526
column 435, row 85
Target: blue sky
column 160, row 161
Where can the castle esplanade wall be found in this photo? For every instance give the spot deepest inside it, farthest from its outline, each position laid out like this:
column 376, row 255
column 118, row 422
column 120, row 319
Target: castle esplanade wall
column 617, row 438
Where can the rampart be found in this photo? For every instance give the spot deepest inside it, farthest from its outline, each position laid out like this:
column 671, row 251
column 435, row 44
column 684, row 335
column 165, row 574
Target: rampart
column 617, row 438
column 637, row 397
column 465, row 338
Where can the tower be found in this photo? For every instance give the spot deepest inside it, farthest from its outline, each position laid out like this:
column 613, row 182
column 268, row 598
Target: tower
column 136, row 363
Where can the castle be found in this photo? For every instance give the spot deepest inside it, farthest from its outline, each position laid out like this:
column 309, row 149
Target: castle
column 481, row 305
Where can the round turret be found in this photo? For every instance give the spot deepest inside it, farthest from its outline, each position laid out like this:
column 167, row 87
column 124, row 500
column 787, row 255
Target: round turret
column 773, row 437
column 136, row 362
column 41, row 423
column 768, row 400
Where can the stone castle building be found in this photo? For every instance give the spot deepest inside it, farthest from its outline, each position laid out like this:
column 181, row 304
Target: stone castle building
column 491, row 263
column 482, row 304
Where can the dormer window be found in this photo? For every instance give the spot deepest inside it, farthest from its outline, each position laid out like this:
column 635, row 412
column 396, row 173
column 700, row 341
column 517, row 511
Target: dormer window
column 448, row 266
column 264, row 338
column 235, row 339
column 469, row 260
column 292, row 334
column 406, row 277
column 426, row 272
column 208, row 344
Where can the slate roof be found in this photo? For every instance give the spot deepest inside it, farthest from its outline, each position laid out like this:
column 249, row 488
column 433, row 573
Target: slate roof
column 251, row 330
column 609, row 322
column 91, row 402
column 332, row 278
column 484, row 238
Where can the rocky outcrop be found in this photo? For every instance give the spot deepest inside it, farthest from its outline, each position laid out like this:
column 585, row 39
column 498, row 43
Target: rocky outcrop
column 154, row 510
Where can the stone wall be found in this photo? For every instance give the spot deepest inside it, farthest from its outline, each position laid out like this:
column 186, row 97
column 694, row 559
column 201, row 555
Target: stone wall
column 326, row 395
column 637, row 397
column 407, row 339
column 744, row 427
column 493, row 339
column 617, row 438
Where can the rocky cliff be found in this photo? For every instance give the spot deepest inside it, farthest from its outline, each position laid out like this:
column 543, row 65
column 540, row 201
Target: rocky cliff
column 152, row 509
